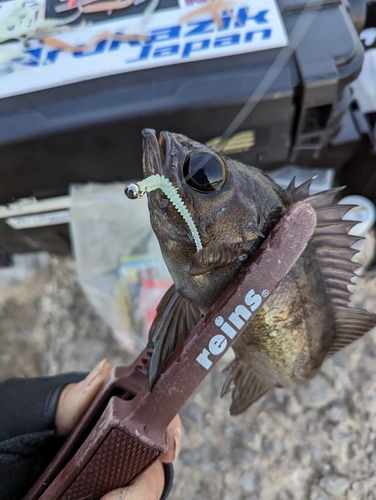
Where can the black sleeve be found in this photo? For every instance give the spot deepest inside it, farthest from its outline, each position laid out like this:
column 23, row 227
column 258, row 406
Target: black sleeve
column 27, row 430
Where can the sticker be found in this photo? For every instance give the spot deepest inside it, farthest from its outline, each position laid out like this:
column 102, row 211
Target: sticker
column 82, row 39
column 39, row 220
column 238, row 143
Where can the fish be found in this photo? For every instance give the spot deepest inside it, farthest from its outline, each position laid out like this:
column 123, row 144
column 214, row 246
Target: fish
column 234, row 207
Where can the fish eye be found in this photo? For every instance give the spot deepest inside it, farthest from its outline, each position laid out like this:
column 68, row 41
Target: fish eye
column 204, row 171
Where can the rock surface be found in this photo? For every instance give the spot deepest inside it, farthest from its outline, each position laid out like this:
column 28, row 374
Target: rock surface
column 317, row 442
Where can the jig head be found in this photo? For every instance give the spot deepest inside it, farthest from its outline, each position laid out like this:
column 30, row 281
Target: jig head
column 133, row 192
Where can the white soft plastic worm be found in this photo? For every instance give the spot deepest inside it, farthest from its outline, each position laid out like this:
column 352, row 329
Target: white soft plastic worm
column 157, row 181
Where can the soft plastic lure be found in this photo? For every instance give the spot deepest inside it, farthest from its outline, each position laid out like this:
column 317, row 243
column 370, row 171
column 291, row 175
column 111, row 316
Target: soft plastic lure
column 157, row 181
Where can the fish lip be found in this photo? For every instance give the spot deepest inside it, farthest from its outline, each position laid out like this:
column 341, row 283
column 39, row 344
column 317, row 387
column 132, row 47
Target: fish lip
column 157, row 160
column 155, row 152
column 152, row 160
column 165, row 149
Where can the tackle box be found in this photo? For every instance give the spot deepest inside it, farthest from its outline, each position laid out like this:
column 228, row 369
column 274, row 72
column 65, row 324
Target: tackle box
column 73, row 101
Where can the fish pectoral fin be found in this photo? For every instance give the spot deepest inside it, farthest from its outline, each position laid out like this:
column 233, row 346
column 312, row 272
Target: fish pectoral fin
column 350, row 324
column 246, row 386
column 212, row 256
column 176, row 317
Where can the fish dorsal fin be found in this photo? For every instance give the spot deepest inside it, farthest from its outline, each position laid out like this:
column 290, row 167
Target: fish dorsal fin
column 324, row 198
column 300, row 192
column 332, row 246
column 176, row 317
column 212, row 256
column 245, row 384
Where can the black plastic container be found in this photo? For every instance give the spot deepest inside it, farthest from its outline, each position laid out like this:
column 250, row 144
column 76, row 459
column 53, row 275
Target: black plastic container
column 90, row 131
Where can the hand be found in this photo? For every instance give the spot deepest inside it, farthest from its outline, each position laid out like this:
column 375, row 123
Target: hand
column 75, row 399
column 149, row 485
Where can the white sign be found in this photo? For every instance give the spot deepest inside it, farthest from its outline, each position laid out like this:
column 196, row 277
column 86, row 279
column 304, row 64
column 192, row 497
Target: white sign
column 185, row 33
column 39, row 220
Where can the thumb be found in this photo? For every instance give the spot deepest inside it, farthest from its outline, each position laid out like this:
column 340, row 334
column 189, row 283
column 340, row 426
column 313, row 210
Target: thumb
column 75, row 398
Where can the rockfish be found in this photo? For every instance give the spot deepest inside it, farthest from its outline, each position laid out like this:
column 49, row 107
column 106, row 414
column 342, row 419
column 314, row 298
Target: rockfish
column 229, row 208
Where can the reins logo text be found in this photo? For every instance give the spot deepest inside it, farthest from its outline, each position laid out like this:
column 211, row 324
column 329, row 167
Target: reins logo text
column 238, row 319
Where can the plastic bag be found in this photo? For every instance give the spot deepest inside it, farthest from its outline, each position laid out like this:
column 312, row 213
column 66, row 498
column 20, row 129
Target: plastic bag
column 119, row 263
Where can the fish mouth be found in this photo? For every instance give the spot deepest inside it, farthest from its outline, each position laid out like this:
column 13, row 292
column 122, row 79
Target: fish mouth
column 160, row 156
column 155, row 152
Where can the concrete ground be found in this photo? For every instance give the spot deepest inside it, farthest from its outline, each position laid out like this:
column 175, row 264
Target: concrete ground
column 316, row 443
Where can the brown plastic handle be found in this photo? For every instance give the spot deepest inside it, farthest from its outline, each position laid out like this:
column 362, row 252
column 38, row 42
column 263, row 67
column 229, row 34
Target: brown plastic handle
column 123, row 382
column 130, row 435
column 112, row 456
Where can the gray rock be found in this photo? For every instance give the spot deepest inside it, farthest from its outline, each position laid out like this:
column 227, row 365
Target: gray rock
column 317, row 393
column 25, row 266
column 336, row 485
column 247, row 482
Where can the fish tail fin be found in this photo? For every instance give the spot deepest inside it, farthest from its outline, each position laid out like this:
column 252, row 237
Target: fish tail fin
column 333, row 250
column 245, row 384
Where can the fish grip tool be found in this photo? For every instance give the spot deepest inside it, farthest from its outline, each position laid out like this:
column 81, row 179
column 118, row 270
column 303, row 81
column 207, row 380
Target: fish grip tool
column 123, row 431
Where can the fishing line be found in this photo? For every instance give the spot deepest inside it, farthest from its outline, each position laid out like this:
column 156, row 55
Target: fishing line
column 296, row 36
